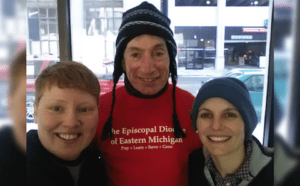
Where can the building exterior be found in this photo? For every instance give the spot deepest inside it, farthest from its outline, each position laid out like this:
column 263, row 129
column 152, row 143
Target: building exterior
column 211, row 31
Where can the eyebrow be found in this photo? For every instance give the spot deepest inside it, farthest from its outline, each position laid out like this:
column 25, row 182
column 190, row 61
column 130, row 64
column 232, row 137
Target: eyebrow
column 159, row 45
column 58, row 100
column 228, row 109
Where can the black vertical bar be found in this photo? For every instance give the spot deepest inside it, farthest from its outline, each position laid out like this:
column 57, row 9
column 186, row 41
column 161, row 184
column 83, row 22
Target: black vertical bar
column 294, row 86
column 268, row 139
column 64, row 30
column 164, row 7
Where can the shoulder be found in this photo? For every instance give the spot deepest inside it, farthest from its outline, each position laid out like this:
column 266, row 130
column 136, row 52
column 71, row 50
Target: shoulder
column 184, row 94
column 106, row 99
column 196, row 159
column 12, row 160
column 196, row 168
column 184, row 98
column 6, row 134
column 261, row 163
column 196, row 153
column 36, row 155
column 93, row 169
column 256, row 145
column 32, row 141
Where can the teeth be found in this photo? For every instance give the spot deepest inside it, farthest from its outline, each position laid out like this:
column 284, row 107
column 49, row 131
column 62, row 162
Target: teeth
column 68, row 136
column 218, row 138
column 149, row 79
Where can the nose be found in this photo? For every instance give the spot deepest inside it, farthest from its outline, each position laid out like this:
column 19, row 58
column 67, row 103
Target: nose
column 217, row 124
column 147, row 65
column 71, row 119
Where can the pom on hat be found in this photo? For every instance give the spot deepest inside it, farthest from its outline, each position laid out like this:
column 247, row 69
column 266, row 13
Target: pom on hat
column 236, row 93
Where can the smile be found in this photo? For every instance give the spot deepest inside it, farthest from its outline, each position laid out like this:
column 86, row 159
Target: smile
column 148, row 79
column 218, row 139
column 68, row 136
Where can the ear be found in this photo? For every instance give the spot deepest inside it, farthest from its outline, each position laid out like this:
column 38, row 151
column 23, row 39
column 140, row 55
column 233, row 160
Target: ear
column 35, row 112
column 123, row 65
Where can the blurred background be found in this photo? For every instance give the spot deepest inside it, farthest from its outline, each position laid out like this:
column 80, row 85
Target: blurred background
column 286, row 92
column 12, row 41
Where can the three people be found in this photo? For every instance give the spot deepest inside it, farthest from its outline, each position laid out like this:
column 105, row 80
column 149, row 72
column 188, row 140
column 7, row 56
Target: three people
column 66, row 111
column 144, row 132
column 224, row 117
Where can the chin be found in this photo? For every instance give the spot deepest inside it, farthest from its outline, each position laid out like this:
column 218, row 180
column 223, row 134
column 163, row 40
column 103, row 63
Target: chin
column 219, row 153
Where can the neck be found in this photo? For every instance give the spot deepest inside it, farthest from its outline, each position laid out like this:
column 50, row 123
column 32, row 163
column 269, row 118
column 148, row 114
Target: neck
column 229, row 164
column 132, row 91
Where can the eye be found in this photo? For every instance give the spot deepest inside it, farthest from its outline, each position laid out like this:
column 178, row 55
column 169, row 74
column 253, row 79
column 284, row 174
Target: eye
column 205, row 115
column 84, row 110
column 231, row 115
column 134, row 55
column 57, row 109
column 159, row 54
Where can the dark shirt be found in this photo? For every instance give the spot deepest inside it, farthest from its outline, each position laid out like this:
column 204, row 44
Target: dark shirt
column 43, row 168
column 12, row 160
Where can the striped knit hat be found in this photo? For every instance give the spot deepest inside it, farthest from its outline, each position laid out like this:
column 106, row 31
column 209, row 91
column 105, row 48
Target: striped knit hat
column 143, row 19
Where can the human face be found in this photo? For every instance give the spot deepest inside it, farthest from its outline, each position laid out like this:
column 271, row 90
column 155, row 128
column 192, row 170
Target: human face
column 67, row 121
column 220, row 127
column 17, row 111
column 146, row 63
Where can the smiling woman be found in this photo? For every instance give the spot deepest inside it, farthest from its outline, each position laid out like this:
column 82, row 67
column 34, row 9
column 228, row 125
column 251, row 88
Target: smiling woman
column 225, row 118
column 66, row 111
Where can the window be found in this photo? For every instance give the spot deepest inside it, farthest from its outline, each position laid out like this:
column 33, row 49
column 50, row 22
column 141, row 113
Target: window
column 43, row 31
column 211, row 43
column 196, row 3
column 247, row 3
column 95, row 46
column 42, row 46
column 255, row 83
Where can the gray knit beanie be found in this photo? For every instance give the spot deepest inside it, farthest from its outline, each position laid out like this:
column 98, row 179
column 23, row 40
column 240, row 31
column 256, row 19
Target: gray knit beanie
column 236, row 93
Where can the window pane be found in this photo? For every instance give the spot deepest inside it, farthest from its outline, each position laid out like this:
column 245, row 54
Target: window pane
column 247, row 3
column 52, row 12
column 118, row 12
column 90, row 12
column 44, row 27
column 109, row 12
column 43, row 12
column 117, row 24
column 42, row 47
column 196, row 3
column 33, row 12
column 53, row 26
column 110, row 24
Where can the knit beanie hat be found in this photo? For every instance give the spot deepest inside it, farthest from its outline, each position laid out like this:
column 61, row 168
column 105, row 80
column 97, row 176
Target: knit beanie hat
column 236, row 93
column 143, row 19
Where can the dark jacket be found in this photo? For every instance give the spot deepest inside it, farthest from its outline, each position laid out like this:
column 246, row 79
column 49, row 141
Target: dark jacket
column 261, row 167
column 12, row 160
column 42, row 170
